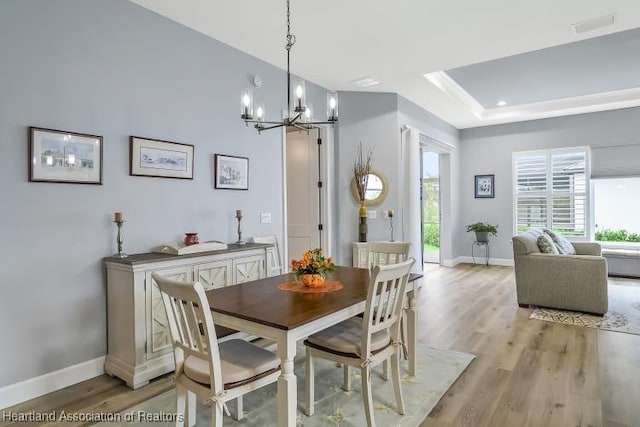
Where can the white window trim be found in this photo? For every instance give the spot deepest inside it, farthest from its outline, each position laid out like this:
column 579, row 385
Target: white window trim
column 589, row 224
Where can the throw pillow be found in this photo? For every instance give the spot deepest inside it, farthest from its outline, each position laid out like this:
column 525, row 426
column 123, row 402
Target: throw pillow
column 546, row 245
column 564, row 246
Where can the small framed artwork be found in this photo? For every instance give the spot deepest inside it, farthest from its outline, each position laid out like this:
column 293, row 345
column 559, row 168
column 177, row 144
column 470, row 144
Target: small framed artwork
column 64, row 157
column 231, row 172
column 160, row 159
column 484, row 188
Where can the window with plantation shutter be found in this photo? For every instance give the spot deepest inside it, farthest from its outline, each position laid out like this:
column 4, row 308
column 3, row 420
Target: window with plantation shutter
column 551, row 191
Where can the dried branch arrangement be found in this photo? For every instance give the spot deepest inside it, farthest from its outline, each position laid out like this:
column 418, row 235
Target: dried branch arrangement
column 361, row 169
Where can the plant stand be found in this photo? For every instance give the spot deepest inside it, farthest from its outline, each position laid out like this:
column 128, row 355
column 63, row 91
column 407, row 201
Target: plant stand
column 487, row 252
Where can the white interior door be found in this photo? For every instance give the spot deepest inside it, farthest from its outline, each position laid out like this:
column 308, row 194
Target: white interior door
column 303, row 210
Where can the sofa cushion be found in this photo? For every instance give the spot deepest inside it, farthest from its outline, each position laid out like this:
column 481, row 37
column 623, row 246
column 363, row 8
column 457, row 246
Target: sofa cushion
column 546, row 245
column 564, row 246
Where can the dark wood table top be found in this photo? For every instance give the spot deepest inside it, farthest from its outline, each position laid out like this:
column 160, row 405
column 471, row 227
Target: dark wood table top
column 261, row 301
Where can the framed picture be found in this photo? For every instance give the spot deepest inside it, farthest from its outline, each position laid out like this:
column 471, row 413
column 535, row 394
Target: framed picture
column 64, row 157
column 484, row 188
column 231, row 172
column 160, row 159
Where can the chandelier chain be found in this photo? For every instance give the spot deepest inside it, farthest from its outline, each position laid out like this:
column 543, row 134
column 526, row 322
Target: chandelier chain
column 291, row 38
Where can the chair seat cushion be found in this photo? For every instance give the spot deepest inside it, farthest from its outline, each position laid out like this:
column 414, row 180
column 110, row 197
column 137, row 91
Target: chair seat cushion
column 239, row 361
column 346, row 337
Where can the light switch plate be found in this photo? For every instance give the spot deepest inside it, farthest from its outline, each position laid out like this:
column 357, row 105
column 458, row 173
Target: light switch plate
column 265, row 218
column 372, row 214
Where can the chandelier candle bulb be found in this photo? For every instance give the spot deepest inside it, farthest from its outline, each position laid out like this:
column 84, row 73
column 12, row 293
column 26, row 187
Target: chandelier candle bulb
column 332, row 106
column 247, row 104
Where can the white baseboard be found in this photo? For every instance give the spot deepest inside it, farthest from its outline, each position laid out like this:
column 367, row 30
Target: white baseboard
column 35, row 387
column 503, row 262
column 452, row 262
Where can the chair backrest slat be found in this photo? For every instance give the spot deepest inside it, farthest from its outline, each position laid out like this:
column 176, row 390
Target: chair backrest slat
column 191, row 325
column 385, row 301
column 385, row 253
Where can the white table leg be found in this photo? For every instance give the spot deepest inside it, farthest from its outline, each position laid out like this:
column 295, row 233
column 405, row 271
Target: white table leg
column 287, row 391
column 412, row 321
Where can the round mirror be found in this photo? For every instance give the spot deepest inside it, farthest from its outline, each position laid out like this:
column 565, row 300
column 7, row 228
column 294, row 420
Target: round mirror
column 377, row 188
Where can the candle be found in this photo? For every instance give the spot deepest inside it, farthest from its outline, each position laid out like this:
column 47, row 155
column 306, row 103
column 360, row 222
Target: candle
column 118, row 217
column 239, row 213
column 390, row 213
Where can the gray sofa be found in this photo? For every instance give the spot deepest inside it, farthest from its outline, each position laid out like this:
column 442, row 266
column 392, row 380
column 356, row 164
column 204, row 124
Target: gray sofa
column 571, row 282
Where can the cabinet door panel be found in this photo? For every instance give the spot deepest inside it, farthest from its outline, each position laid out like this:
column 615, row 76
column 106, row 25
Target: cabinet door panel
column 248, row 268
column 215, row 274
column 158, row 333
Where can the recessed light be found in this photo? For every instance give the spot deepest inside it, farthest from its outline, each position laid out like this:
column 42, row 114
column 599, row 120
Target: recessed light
column 501, row 103
column 365, row 82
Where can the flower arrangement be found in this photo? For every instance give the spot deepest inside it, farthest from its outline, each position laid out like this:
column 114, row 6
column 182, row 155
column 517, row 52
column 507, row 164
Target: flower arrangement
column 312, row 268
column 361, row 170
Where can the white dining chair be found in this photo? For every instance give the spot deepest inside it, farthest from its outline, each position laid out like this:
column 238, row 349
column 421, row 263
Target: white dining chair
column 275, row 263
column 215, row 372
column 381, row 253
column 368, row 341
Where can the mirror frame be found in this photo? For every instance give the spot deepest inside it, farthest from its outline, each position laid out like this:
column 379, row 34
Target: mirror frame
column 383, row 194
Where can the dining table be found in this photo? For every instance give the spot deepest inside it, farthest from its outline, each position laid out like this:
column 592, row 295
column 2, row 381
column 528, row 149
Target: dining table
column 260, row 308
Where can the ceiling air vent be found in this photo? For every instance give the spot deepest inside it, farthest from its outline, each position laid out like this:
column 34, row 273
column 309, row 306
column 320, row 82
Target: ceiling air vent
column 593, row 24
column 365, row 82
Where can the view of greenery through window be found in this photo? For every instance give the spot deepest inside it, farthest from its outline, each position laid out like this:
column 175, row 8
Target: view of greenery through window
column 616, row 202
column 431, row 206
column 430, row 215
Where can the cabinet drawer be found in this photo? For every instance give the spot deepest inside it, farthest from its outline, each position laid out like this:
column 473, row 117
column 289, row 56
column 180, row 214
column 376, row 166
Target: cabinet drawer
column 248, row 268
column 214, row 274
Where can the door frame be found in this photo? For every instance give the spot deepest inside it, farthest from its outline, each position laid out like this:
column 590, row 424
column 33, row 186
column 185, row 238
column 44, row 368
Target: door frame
column 326, row 192
column 444, row 151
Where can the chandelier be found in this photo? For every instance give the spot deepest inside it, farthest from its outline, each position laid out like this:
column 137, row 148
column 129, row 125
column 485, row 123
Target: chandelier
column 301, row 115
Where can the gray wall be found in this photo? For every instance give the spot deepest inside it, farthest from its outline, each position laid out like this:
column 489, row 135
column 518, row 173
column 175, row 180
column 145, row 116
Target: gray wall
column 414, row 116
column 111, row 68
column 376, row 119
column 370, row 118
column 488, row 150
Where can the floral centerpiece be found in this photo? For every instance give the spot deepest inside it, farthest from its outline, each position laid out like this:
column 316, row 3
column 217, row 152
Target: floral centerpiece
column 312, row 268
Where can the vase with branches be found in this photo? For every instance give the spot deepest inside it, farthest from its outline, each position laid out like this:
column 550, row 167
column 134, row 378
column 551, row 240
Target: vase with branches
column 361, row 170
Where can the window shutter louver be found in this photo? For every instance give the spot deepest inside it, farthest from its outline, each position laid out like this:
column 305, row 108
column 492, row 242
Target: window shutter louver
column 551, row 191
column 531, row 192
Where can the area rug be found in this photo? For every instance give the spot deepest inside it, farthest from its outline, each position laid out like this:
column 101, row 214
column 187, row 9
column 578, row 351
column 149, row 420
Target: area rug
column 437, row 370
column 623, row 314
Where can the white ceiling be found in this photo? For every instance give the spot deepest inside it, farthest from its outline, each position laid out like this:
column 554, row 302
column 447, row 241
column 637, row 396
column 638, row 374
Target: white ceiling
column 398, row 42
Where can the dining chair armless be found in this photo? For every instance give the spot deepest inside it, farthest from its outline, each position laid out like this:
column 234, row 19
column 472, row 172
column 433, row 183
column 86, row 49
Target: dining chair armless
column 274, row 263
column 368, row 341
column 215, row 372
column 383, row 253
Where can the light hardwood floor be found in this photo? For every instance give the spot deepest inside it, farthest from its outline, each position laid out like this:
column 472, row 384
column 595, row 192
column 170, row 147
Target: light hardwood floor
column 527, row 372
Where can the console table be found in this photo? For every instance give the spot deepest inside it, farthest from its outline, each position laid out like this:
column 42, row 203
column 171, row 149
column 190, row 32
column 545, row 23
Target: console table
column 138, row 336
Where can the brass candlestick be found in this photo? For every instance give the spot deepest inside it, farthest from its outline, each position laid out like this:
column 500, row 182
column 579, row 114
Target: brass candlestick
column 119, row 240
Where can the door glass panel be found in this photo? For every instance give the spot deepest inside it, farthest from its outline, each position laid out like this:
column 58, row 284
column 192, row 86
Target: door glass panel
column 431, row 206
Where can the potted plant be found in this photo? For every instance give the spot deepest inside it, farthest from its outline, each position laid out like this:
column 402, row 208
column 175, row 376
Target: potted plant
column 483, row 230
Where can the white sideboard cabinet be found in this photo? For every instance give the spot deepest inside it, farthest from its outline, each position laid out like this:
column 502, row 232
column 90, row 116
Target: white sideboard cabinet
column 360, row 255
column 138, row 336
